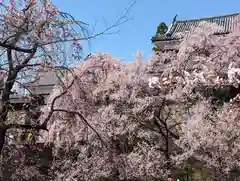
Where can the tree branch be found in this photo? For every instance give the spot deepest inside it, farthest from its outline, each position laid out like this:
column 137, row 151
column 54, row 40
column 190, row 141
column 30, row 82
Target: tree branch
column 10, row 61
column 57, row 97
column 119, row 22
column 84, row 120
column 18, row 49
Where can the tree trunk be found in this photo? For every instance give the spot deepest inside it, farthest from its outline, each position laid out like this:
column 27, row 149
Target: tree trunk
column 2, row 139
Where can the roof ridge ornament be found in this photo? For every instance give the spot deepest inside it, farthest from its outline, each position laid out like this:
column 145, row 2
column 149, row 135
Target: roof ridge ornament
column 174, row 19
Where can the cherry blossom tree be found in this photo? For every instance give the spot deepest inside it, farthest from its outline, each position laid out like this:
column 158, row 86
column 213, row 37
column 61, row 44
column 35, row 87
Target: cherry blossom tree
column 205, row 75
column 110, row 124
column 117, row 121
column 211, row 130
column 36, row 37
column 149, row 120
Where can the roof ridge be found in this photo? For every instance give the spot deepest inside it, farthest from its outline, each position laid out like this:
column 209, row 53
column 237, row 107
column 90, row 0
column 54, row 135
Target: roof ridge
column 209, row 18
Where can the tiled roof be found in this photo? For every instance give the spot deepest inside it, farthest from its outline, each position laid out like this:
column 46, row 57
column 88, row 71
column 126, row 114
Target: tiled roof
column 180, row 28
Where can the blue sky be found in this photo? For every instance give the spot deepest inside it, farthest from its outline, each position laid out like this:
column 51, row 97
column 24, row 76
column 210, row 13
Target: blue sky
column 146, row 15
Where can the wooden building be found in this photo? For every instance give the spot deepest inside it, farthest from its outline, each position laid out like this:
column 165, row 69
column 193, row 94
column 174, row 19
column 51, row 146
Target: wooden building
column 180, row 28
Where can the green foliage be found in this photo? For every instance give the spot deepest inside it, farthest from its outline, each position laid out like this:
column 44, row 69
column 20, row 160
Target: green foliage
column 155, row 49
column 28, row 137
column 194, row 173
column 162, row 28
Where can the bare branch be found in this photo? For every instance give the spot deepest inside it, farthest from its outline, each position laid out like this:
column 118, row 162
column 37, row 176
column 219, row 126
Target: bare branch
column 119, row 22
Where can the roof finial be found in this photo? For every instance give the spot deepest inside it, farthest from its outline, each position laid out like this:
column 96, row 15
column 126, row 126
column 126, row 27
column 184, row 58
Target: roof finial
column 174, row 19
